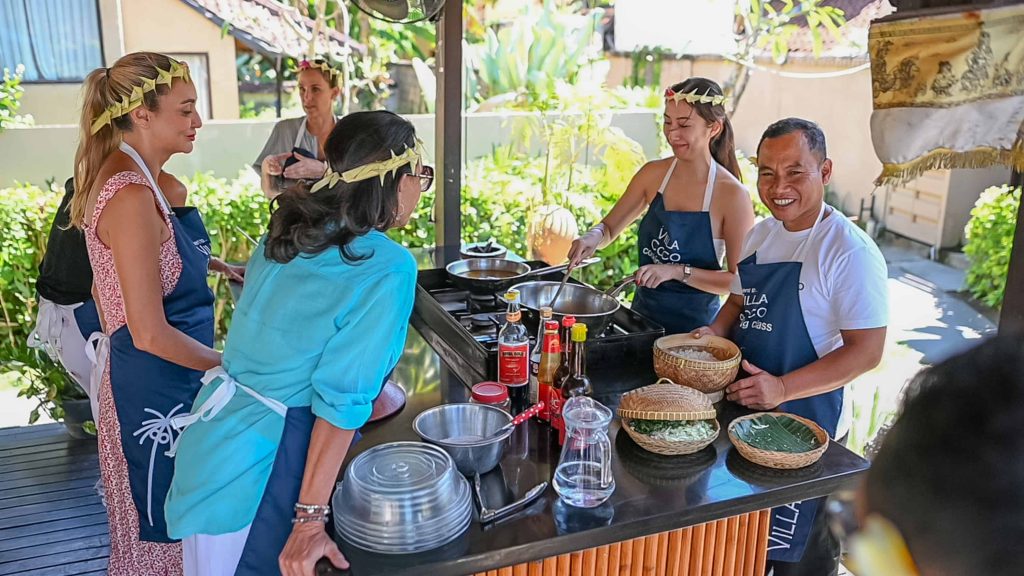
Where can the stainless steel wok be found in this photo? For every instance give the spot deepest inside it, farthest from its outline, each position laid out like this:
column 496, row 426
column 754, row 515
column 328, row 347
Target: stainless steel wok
column 588, row 305
column 490, row 275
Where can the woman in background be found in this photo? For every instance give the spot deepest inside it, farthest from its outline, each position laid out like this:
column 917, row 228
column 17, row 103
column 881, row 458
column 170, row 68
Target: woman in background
column 295, row 149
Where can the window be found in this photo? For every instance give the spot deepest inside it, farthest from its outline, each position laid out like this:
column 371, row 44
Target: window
column 199, row 71
column 56, row 40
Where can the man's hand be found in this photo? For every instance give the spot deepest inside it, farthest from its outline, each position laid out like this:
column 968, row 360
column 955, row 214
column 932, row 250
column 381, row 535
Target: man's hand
column 760, row 390
column 702, row 332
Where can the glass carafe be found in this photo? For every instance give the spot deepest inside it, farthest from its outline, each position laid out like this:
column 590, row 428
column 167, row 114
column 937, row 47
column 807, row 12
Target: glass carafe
column 584, row 474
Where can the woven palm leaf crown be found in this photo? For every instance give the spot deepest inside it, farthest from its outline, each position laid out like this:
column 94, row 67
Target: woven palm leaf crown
column 133, row 100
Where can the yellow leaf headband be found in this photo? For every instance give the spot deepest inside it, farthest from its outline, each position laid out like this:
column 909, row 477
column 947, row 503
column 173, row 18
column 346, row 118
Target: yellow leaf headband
column 333, row 74
column 379, row 169
column 693, row 97
column 132, row 101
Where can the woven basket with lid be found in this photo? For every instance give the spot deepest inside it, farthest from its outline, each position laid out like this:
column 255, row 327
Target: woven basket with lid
column 703, row 375
column 665, row 400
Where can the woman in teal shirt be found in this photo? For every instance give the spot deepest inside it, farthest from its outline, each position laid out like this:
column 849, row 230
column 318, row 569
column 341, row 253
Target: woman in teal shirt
column 321, row 323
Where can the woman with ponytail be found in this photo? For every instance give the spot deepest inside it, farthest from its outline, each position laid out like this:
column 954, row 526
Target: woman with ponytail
column 697, row 213
column 149, row 258
column 320, row 325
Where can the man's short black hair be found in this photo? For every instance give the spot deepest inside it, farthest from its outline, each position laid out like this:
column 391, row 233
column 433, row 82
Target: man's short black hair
column 813, row 135
column 950, row 472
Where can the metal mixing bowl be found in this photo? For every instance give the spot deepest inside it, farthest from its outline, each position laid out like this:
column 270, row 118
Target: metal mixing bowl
column 462, row 430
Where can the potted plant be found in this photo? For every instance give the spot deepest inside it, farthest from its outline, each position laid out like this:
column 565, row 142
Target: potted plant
column 58, row 395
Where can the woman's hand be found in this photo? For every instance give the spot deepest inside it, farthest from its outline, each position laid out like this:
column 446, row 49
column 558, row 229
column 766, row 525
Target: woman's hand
column 305, row 169
column 272, row 164
column 654, row 275
column 307, row 544
column 584, row 247
column 233, row 272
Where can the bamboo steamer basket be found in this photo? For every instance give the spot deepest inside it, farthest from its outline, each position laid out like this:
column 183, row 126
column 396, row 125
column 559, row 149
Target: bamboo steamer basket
column 775, row 459
column 666, row 400
column 705, row 376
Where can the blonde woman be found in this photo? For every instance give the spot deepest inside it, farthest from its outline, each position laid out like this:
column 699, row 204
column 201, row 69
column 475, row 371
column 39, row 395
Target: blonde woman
column 149, row 259
column 295, row 148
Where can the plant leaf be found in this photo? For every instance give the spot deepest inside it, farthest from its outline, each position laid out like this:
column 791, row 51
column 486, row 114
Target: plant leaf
column 776, row 434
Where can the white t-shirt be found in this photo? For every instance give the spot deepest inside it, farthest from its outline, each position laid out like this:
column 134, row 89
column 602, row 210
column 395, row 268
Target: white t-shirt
column 843, row 278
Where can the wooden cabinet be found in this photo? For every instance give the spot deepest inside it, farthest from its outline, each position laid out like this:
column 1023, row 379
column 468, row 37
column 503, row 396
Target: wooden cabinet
column 935, row 207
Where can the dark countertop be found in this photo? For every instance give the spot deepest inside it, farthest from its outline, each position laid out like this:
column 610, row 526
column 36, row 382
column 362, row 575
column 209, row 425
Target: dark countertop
column 653, row 493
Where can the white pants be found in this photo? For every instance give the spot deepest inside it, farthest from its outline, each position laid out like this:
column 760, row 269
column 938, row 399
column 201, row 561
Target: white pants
column 213, row 555
column 57, row 334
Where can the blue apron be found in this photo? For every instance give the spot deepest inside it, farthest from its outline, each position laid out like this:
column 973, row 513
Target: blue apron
column 147, row 390
column 771, row 314
column 673, row 237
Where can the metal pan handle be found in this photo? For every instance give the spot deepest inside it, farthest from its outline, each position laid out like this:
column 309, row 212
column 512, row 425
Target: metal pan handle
column 631, row 279
column 561, row 267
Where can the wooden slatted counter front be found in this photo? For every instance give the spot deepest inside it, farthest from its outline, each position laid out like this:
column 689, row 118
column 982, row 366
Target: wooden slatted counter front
column 735, row 546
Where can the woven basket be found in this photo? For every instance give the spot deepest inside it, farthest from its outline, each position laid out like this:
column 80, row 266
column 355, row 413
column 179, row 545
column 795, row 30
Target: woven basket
column 701, row 375
column 780, row 460
column 665, row 400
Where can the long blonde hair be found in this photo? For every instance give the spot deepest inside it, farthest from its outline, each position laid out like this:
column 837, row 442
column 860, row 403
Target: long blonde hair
column 104, row 87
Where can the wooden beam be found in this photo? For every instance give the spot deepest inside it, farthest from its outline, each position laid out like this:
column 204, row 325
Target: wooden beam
column 448, row 128
column 1011, row 319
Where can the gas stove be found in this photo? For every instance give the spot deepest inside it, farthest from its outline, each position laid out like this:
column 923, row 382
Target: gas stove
column 462, row 327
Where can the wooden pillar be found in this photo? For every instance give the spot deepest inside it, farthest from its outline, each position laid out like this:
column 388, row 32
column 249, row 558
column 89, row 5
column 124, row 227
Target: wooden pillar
column 1011, row 319
column 448, row 127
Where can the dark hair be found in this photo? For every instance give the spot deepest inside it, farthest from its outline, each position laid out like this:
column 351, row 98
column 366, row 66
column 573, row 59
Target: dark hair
column 723, row 146
column 813, row 135
column 950, row 471
column 304, row 223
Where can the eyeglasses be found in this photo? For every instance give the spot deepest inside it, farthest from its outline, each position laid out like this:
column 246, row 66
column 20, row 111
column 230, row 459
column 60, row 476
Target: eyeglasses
column 876, row 548
column 426, row 177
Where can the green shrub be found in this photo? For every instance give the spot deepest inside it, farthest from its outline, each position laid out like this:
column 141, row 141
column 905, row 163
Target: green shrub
column 25, row 214
column 989, row 236
column 231, row 211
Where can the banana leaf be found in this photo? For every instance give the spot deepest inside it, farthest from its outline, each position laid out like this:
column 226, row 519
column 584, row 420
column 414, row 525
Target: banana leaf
column 777, row 434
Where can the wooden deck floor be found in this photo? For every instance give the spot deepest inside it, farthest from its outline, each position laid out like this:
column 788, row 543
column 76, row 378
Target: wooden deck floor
column 51, row 519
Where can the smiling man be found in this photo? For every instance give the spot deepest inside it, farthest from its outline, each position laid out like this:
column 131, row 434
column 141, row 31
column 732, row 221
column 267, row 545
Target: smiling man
column 809, row 310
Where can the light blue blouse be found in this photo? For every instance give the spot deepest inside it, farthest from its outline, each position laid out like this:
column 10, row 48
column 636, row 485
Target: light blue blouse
column 318, row 331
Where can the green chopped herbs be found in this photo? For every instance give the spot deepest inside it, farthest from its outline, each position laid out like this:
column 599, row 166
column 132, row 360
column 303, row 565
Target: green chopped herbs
column 674, row 430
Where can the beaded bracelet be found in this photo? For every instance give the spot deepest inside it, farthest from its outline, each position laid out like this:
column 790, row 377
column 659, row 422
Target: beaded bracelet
column 305, row 519
column 312, row 508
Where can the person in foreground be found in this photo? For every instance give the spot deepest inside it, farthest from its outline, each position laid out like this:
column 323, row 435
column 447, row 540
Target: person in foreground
column 149, row 257
column 320, row 325
column 809, row 311
column 943, row 496
column 697, row 213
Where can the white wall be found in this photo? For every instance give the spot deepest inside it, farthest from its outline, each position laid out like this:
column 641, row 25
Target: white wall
column 225, row 147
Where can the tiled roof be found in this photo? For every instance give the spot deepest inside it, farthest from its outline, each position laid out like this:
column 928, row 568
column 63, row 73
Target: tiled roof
column 270, row 28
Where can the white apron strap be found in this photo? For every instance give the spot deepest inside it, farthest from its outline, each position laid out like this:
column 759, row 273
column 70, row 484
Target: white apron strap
column 664, row 181
column 97, row 349
column 225, row 388
column 127, row 149
column 709, row 190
